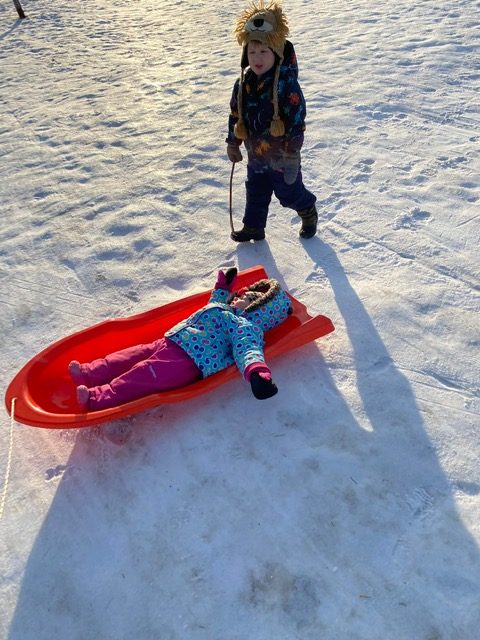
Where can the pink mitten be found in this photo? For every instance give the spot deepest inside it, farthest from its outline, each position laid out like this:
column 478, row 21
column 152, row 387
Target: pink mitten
column 226, row 280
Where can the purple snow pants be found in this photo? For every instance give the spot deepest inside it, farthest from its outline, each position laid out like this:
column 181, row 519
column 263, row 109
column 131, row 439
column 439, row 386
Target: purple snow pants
column 136, row 372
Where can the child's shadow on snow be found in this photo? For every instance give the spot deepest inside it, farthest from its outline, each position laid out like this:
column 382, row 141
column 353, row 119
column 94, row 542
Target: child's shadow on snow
column 416, row 491
column 14, row 26
column 249, row 254
column 378, row 378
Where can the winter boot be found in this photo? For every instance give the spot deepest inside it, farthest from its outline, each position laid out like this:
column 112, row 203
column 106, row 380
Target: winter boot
column 262, row 386
column 309, row 222
column 248, row 233
column 83, row 396
column 76, row 372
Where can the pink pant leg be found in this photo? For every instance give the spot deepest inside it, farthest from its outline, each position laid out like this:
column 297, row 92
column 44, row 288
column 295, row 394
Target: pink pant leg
column 103, row 370
column 168, row 368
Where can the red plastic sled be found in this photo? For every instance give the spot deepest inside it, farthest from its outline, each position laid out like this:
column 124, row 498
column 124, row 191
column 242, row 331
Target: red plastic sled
column 45, row 394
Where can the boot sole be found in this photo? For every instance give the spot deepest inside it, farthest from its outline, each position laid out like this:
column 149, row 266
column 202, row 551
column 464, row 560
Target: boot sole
column 255, row 238
column 307, row 233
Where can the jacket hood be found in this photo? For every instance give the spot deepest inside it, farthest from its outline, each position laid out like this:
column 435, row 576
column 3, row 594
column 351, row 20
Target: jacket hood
column 270, row 304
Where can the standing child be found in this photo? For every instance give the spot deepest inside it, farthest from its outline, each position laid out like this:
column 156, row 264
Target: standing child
column 227, row 330
column 268, row 115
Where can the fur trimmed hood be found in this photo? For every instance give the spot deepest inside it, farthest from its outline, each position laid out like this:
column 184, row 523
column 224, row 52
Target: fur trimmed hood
column 270, row 305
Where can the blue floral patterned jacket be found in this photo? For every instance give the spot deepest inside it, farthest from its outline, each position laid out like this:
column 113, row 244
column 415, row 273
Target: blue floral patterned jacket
column 264, row 149
column 217, row 335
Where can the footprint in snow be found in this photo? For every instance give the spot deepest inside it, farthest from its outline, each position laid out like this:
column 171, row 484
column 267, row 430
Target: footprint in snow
column 412, row 219
column 420, row 502
column 451, row 163
column 365, row 168
column 55, row 472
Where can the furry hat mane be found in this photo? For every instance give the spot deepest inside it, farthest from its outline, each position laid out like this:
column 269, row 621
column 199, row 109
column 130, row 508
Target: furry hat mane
column 265, row 23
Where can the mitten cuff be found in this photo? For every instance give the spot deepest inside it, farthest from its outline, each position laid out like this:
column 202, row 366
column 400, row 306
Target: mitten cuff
column 221, row 282
column 257, row 367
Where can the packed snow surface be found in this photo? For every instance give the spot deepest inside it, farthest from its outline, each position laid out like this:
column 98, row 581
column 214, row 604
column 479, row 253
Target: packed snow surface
column 347, row 507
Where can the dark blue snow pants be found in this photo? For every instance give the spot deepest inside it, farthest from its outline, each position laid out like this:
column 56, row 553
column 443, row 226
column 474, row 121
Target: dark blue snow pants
column 261, row 185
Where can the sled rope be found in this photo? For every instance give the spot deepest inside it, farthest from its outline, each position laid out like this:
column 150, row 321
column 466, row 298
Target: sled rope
column 231, row 188
column 9, row 460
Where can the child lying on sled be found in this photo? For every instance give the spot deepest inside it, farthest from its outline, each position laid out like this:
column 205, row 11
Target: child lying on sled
column 229, row 329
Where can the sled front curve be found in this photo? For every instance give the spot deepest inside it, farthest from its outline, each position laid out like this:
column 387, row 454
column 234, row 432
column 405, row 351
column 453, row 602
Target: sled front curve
column 45, row 395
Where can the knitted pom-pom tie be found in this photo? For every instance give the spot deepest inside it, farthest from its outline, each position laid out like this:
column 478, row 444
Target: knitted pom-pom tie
column 277, row 128
column 240, row 130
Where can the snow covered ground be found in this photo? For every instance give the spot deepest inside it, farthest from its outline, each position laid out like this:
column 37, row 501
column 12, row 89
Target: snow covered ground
column 348, row 506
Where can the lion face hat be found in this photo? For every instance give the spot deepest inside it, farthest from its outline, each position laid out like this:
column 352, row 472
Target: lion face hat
column 266, row 24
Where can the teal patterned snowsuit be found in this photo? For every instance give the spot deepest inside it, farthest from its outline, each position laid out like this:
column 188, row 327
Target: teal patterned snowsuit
column 218, row 335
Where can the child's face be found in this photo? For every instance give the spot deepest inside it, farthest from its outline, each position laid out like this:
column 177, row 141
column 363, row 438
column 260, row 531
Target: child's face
column 241, row 302
column 260, row 58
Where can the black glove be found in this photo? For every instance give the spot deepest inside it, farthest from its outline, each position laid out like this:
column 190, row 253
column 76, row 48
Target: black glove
column 262, row 388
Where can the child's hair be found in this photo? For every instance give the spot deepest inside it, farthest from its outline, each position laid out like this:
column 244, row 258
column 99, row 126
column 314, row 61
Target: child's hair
column 265, row 23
